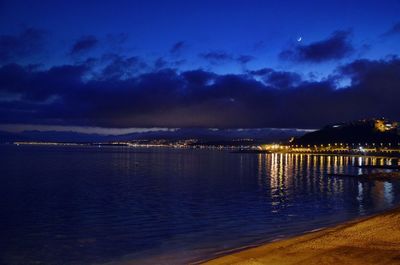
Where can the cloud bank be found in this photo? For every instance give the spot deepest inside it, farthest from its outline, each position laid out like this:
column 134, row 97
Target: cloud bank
column 120, row 96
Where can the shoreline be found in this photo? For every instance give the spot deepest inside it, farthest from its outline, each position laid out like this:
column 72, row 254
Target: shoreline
column 375, row 155
column 367, row 240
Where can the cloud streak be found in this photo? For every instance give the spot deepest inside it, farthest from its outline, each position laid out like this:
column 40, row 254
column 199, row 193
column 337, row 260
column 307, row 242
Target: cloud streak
column 177, row 47
column 84, row 44
column 215, row 57
column 219, row 57
column 394, row 30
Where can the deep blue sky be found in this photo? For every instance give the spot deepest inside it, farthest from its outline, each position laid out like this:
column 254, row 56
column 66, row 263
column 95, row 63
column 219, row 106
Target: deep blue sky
column 197, row 63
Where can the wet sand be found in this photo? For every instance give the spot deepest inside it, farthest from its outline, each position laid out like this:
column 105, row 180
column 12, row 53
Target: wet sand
column 368, row 241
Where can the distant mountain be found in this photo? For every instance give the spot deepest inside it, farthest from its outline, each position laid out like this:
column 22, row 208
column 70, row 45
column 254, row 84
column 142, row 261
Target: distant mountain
column 363, row 131
column 204, row 135
column 51, row 136
column 6, row 137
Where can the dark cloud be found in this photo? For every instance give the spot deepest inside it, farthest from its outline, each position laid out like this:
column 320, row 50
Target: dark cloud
column 120, row 67
column 17, row 47
column 217, row 56
column 282, row 80
column 277, row 79
column 35, row 85
column 260, row 72
column 178, row 63
column 198, row 98
column 336, row 47
column 84, row 44
column 177, row 47
column 244, row 59
column 394, row 30
column 160, row 63
column 199, row 77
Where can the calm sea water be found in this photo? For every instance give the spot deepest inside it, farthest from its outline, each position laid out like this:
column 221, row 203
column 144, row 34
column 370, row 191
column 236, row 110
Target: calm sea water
column 89, row 205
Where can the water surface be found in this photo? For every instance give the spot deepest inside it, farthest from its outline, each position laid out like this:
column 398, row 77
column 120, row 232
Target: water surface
column 90, row 205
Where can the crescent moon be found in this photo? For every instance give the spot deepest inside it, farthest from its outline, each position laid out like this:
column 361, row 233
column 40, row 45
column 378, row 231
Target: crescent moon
column 299, row 39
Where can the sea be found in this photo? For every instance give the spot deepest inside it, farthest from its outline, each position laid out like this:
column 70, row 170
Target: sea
column 75, row 205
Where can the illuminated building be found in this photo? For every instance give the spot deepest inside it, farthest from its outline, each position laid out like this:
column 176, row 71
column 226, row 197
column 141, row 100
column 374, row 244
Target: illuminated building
column 383, row 125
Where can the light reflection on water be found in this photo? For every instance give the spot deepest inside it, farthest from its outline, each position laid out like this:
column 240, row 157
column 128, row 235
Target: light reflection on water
column 75, row 205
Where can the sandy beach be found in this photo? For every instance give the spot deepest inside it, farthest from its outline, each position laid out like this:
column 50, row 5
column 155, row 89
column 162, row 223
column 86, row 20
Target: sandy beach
column 372, row 240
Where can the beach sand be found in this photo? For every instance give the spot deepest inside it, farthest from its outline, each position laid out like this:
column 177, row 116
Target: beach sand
column 373, row 240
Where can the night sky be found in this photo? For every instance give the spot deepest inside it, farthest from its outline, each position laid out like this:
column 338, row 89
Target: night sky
column 206, row 64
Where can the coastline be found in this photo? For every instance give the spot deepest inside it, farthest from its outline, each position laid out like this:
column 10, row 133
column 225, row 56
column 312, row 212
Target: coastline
column 358, row 154
column 363, row 241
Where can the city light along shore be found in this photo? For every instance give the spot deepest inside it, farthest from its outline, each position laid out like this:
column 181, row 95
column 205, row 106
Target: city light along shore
column 363, row 137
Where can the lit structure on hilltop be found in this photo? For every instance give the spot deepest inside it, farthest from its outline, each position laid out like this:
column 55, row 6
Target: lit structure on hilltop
column 383, row 125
